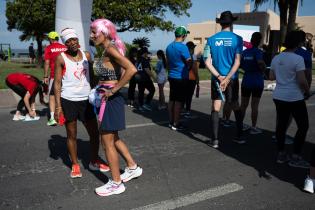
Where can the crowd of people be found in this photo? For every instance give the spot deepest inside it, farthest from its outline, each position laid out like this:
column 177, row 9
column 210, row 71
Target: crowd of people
column 81, row 90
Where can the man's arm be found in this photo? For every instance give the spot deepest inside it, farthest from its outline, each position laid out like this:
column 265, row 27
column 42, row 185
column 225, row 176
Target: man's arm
column 301, row 79
column 46, row 68
column 211, row 68
column 59, row 64
column 236, row 65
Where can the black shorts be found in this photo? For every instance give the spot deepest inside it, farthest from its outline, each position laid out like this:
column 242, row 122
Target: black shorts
column 178, row 89
column 231, row 91
column 254, row 92
column 77, row 110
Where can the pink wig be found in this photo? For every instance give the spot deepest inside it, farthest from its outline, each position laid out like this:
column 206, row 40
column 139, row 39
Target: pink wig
column 109, row 30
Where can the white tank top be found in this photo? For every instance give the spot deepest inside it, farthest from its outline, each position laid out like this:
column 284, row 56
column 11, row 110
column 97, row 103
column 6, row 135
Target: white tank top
column 75, row 79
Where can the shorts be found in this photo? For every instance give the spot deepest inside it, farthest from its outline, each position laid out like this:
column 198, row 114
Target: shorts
column 254, row 92
column 178, row 89
column 231, row 91
column 51, row 91
column 77, row 110
column 114, row 114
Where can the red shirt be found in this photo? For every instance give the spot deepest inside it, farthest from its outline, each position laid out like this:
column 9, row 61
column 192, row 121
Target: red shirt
column 25, row 80
column 51, row 52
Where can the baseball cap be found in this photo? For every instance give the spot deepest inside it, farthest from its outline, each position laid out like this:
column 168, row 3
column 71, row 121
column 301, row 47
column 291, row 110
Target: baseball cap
column 53, row 35
column 180, row 31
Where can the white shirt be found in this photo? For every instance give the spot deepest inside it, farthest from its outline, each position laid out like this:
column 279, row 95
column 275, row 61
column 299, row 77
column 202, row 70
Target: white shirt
column 285, row 67
column 75, row 79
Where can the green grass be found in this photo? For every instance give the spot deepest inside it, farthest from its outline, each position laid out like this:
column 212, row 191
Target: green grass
column 7, row 68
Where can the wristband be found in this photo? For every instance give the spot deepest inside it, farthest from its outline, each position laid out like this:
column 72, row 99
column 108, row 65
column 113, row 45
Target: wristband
column 218, row 76
column 111, row 90
column 46, row 77
column 58, row 108
column 33, row 109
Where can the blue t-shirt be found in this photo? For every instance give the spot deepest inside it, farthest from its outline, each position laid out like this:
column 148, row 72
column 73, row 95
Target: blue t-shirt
column 307, row 56
column 223, row 48
column 177, row 53
column 253, row 77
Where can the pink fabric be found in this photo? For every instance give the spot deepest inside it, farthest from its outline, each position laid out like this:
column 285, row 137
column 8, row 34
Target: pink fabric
column 103, row 105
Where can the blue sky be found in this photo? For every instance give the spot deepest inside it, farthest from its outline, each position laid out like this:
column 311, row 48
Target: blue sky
column 201, row 10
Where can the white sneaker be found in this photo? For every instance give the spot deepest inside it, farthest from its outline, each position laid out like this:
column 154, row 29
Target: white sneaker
column 255, row 130
column 29, row 118
column 309, row 185
column 110, row 188
column 18, row 117
column 131, row 174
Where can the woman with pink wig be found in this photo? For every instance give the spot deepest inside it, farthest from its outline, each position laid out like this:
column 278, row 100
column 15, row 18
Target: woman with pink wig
column 111, row 113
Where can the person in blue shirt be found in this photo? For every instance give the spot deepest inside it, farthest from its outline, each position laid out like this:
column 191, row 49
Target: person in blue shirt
column 179, row 62
column 223, row 61
column 253, row 64
column 307, row 56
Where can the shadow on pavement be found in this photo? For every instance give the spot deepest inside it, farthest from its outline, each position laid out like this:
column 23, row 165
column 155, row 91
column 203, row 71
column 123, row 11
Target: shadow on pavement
column 57, row 145
column 259, row 152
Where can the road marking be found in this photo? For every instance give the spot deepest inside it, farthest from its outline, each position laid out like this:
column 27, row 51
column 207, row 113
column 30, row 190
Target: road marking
column 155, row 123
column 194, row 197
column 310, row 104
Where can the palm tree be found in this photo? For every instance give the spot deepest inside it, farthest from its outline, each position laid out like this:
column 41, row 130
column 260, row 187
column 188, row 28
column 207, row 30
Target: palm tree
column 288, row 12
column 141, row 42
column 283, row 6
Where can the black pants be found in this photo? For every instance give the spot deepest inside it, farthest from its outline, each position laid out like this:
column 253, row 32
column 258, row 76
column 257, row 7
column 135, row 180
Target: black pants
column 148, row 84
column 21, row 91
column 132, row 89
column 191, row 85
column 299, row 113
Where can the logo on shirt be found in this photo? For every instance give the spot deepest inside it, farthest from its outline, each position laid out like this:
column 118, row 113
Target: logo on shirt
column 80, row 73
column 226, row 42
column 219, row 43
column 58, row 49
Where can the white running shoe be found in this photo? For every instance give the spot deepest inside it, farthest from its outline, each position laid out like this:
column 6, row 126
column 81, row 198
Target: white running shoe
column 131, row 174
column 18, row 117
column 110, row 188
column 29, row 118
column 309, row 185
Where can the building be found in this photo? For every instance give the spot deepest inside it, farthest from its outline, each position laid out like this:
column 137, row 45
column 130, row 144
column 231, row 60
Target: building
column 268, row 22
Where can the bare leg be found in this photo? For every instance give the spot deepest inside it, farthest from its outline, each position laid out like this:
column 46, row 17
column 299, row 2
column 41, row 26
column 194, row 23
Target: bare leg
column 71, row 128
column 108, row 139
column 52, row 106
column 124, row 152
column 176, row 113
column 91, row 128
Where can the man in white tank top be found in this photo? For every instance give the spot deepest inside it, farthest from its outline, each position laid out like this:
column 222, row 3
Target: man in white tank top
column 72, row 87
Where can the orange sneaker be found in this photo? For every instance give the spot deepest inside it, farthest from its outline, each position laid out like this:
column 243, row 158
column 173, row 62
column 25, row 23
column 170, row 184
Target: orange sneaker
column 98, row 165
column 75, row 172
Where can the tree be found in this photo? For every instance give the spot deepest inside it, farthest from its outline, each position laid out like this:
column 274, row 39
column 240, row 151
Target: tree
column 140, row 14
column 287, row 22
column 33, row 18
column 141, row 42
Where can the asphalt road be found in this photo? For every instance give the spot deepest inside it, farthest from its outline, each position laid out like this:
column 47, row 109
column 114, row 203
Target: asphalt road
column 180, row 169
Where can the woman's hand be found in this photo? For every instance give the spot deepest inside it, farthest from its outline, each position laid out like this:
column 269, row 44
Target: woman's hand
column 106, row 93
column 32, row 113
column 57, row 113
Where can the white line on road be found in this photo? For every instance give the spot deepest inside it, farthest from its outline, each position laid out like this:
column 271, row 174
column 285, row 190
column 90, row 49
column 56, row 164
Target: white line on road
column 151, row 124
column 194, row 197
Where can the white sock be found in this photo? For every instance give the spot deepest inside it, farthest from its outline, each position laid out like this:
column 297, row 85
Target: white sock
column 52, row 115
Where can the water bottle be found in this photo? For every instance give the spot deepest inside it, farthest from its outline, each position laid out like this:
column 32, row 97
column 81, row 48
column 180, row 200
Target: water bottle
column 222, row 97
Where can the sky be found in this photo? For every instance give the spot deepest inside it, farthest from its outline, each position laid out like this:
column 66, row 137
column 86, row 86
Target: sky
column 201, row 10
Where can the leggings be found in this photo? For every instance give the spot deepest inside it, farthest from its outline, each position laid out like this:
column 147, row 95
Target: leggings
column 132, row 88
column 299, row 113
column 148, row 84
column 191, row 85
column 21, row 91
